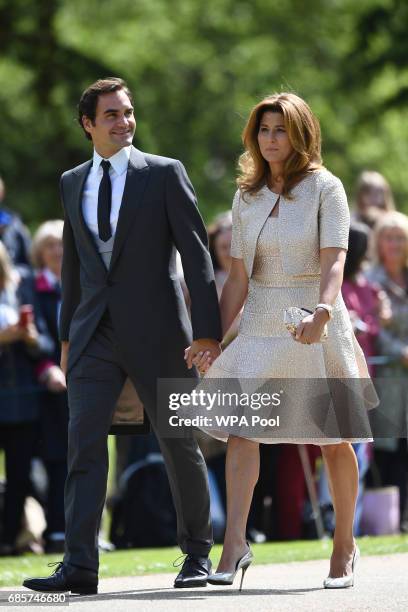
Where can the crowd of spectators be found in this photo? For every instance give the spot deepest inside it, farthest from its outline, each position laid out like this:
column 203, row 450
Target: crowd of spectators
column 34, row 408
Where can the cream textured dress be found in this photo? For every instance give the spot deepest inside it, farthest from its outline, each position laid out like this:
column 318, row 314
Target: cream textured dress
column 316, row 217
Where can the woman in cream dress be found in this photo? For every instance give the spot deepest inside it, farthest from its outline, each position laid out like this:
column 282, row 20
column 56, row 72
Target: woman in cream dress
column 290, row 237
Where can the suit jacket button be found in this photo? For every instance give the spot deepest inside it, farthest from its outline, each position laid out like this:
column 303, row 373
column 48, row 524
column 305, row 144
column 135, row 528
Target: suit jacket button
column 110, row 283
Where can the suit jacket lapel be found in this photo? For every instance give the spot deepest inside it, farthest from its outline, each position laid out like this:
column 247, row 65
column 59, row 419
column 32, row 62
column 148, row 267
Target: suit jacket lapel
column 135, row 185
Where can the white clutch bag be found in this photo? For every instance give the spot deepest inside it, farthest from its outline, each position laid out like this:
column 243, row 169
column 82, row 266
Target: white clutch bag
column 293, row 316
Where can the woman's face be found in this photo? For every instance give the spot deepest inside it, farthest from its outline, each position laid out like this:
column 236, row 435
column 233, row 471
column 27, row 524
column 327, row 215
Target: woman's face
column 393, row 246
column 273, row 138
column 372, row 197
column 222, row 247
column 52, row 255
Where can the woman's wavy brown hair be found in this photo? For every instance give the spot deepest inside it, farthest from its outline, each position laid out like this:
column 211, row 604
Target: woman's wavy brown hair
column 304, row 134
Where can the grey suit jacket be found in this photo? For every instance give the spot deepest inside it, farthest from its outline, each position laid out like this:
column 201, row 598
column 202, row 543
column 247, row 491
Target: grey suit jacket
column 140, row 289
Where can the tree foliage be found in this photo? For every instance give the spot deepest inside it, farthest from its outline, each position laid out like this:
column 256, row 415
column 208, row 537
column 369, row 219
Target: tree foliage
column 196, row 68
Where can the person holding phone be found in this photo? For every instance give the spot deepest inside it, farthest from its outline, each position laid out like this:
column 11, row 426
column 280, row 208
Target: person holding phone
column 23, row 341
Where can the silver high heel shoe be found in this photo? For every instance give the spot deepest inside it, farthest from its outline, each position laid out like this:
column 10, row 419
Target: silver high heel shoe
column 343, row 582
column 224, row 578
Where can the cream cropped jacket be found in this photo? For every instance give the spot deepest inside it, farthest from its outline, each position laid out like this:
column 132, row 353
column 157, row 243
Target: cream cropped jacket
column 317, row 216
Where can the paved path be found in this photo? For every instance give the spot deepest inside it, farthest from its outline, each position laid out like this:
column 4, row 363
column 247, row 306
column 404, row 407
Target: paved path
column 381, row 585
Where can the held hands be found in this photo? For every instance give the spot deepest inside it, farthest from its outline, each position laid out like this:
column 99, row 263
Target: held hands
column 311, row 327
column 202, row 353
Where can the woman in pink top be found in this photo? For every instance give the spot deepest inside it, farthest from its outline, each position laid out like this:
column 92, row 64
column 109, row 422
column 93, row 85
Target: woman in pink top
column 366, row 302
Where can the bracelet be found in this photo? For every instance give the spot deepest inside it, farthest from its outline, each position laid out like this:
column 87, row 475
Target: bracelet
column 327, row 308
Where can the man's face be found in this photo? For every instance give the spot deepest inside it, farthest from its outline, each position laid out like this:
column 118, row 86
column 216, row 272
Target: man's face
column 114, row 125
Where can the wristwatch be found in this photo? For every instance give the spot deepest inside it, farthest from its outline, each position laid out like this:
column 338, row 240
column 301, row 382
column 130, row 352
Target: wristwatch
column 328, row 308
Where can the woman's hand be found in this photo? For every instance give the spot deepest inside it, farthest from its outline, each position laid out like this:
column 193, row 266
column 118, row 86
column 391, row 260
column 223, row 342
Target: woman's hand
column 310, row 330
column 202, row 360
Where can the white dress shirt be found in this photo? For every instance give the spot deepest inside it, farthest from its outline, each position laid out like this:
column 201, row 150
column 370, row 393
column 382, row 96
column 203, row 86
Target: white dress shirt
column 117, row 172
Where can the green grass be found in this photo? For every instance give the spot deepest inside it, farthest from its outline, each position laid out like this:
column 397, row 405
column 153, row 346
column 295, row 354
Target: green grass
column 154, row 560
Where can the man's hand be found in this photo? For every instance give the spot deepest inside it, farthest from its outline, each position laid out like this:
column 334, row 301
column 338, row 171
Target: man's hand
column 202, row 353
column 64, row 356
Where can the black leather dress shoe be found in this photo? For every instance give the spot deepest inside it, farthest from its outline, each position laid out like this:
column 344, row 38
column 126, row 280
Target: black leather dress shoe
column 66, row 578
column 194, row 573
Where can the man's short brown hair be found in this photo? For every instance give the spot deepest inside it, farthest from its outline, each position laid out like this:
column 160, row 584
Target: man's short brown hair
column 89, row 99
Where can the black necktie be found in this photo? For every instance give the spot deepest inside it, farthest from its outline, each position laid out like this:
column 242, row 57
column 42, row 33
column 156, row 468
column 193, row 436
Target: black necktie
column 104, row 203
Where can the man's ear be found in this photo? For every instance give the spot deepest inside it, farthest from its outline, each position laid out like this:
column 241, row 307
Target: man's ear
column 87, row 124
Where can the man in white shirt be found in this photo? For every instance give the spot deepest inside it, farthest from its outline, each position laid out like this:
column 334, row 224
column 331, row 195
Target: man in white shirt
column 123, row 315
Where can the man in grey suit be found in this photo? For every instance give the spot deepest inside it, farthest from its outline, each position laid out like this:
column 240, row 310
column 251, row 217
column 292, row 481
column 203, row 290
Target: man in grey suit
column 123, row 315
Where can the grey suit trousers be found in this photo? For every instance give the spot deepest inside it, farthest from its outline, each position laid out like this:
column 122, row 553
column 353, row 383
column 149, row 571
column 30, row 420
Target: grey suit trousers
column 94, row 385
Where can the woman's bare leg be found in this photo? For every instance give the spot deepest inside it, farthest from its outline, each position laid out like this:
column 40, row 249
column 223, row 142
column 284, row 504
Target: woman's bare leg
column 342, row 472
column 241, row 474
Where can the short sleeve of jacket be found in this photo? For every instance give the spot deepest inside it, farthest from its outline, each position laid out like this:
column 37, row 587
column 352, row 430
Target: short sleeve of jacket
column 334, row 215
column 236, row 241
